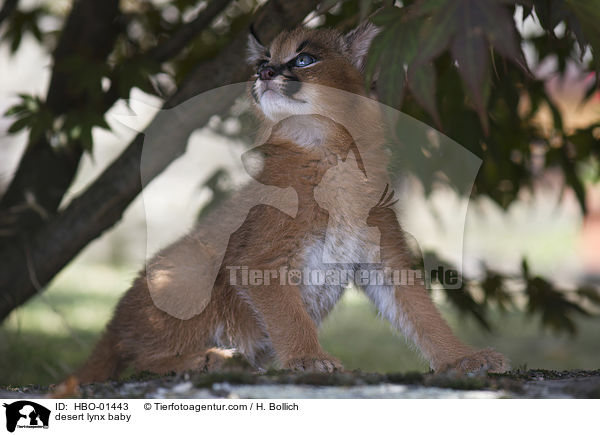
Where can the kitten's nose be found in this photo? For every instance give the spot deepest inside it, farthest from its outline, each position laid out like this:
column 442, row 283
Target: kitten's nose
column 267, row 73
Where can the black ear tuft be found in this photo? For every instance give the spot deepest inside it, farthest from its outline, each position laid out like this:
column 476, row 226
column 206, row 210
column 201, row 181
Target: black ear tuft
column 255, row 49
column 358, row 42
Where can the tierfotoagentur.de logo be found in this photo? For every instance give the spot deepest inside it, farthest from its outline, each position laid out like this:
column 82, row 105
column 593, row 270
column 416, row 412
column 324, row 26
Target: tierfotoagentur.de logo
column 25, row 414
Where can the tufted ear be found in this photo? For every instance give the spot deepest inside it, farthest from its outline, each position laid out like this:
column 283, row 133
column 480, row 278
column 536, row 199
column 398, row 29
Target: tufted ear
column 255, row 50
column 358, row 42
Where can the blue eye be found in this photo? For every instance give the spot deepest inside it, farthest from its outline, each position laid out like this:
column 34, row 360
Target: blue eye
column 304, row 60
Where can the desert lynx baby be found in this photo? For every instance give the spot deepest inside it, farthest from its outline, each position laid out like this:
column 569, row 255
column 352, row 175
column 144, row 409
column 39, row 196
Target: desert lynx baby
column 321, row 136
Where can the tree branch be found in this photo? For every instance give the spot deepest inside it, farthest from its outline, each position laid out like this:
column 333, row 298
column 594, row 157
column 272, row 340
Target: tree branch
column 104, row 202
column 173, row 45
column 184, row 35
column 45, row 173
column 93, row 42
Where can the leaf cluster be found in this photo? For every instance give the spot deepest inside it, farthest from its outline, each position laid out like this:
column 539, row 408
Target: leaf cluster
column 459, row 65
column 557, row 308
column 72, row 127
column 22, row 23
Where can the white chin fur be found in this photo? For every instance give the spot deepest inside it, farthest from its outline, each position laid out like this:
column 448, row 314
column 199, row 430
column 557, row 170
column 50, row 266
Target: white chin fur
column 277, row 107
column 305, row 131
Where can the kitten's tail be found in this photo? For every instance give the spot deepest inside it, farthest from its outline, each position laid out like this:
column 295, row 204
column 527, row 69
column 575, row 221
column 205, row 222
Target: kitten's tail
column 104, row 362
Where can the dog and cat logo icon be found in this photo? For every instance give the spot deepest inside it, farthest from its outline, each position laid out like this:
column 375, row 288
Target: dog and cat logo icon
column 27, row 415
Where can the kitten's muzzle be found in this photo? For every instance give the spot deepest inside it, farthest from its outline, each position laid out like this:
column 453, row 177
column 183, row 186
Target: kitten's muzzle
column 269, row 85
column 267, row 73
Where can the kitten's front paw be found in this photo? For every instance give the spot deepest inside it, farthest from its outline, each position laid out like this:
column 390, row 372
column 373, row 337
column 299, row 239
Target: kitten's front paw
column 322, row 363
column 481, row 361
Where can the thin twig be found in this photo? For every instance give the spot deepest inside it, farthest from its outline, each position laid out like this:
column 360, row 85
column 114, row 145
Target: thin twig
column 173, row 46
column 182, row 36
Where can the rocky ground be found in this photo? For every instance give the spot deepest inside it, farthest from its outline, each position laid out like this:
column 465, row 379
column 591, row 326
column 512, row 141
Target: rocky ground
column 288, row 385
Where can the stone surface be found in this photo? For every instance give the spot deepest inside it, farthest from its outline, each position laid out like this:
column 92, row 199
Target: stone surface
column 289, row 385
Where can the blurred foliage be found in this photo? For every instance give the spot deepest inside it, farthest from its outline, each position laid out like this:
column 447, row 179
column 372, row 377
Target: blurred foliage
column 455, row 64
column 556, row 308
column 31, row 113
column 427, row 47
column 21, row 23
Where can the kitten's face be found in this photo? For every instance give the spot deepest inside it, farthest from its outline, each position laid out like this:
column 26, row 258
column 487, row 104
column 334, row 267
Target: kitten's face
column 286, row 72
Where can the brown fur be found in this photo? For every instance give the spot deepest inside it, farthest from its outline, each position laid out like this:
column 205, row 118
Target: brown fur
column 268, row 321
